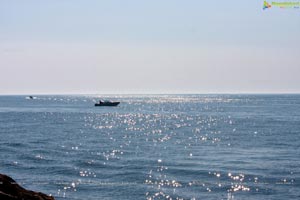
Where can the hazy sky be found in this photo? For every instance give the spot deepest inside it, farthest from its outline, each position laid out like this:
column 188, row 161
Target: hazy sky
column 148, row 46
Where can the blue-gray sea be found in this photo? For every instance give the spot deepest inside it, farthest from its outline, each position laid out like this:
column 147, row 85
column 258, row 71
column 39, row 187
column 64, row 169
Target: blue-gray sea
column 153, row 146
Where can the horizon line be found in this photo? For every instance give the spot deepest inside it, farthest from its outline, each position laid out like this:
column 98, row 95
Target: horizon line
column 152, row 93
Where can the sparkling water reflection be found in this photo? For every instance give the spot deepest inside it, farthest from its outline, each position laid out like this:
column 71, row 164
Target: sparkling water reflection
column 153, row 146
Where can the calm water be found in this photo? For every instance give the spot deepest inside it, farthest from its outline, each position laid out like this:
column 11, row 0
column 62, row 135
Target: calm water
column 154, row 146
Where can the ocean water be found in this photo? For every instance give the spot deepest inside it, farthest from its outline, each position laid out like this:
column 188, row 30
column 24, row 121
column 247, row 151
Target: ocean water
column 153, row 146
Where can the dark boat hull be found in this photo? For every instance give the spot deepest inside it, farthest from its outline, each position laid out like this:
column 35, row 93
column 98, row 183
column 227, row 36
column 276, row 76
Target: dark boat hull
column 107, row 104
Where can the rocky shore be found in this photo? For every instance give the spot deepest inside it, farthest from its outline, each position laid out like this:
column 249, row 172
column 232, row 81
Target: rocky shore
column 10, row 190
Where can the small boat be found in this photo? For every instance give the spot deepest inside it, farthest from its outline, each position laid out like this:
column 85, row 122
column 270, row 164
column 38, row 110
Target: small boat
column 30, row 97
column 107, row 103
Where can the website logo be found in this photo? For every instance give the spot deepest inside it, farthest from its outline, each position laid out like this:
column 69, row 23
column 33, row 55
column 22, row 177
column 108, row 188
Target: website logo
column 288, row 4
column 266, row 5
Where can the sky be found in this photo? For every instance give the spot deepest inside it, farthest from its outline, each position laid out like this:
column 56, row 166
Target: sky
column 157, row 46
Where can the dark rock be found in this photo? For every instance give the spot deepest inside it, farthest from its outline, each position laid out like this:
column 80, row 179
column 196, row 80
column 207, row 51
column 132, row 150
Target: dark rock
column 10, row 190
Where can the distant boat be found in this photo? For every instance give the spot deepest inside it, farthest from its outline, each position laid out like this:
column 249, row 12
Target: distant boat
column 107, row 103
column 30, row 97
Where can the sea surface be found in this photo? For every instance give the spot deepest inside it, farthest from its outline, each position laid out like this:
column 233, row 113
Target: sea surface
column 153, row 146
